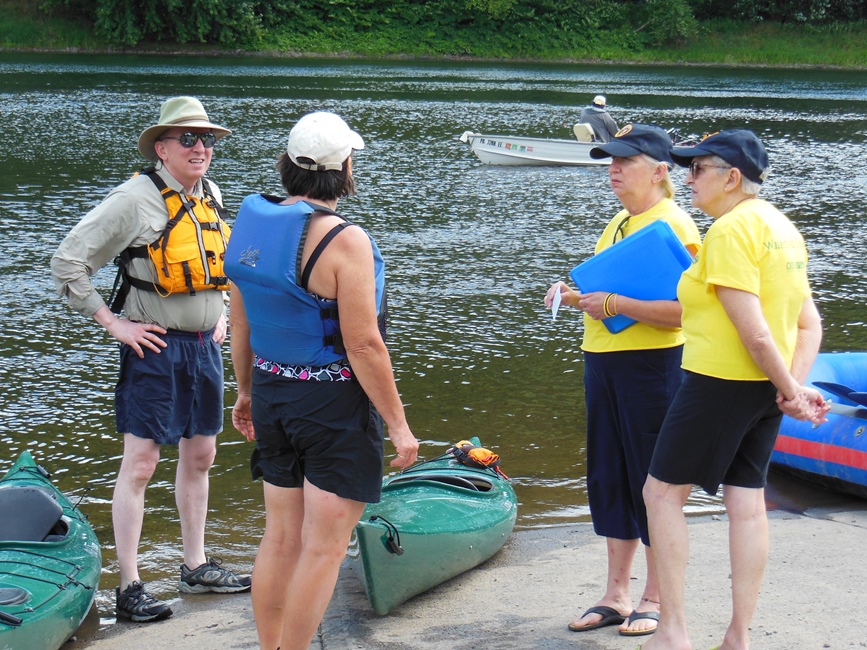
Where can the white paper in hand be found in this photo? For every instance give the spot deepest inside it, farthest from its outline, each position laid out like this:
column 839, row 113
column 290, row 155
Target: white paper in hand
column 555, row 305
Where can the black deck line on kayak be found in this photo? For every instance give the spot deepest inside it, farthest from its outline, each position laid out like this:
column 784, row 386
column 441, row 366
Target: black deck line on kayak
column 393, row 539
column 424, row 462
column 418, row 466
column 473, row 481
column 61, row 587
column 10, row 619
column 69, row 578
column 40, row 471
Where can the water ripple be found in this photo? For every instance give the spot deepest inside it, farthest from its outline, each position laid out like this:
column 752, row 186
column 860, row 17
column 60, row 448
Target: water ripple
column 470, row 249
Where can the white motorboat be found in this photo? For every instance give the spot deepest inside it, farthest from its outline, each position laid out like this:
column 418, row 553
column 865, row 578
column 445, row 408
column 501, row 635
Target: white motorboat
column 518, row 150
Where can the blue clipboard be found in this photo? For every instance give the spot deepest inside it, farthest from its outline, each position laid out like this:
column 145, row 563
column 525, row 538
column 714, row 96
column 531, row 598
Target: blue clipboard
column 647, row 265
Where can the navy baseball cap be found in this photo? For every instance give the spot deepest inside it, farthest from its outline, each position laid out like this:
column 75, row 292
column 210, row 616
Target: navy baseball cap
column 739, row 148
column 634, row 139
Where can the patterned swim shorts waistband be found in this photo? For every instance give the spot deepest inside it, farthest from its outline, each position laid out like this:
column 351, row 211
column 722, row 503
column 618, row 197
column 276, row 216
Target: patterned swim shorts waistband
column 337, row 371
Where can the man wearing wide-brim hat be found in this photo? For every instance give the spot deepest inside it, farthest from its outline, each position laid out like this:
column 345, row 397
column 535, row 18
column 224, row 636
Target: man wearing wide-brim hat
column 170, row 385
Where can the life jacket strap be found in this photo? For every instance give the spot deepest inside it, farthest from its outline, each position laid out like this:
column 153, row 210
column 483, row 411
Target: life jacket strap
column 317, row 252
column 328, row 313
column 335, row 341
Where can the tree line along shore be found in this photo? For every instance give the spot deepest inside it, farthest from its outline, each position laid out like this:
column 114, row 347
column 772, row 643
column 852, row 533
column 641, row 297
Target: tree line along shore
column 785, row 33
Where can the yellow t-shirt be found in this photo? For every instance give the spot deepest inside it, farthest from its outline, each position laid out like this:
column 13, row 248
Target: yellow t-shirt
column 754, row 248
column 640, row 336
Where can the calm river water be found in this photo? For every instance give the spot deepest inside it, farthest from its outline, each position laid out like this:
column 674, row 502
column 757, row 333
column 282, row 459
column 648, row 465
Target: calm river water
column 470, row 250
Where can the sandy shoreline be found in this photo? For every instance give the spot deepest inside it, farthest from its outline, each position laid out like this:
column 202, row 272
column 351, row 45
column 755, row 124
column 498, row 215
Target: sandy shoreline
column 524, row 597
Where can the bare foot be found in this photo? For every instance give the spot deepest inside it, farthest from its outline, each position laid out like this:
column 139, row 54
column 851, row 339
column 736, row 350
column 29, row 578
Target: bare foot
column 658, row 642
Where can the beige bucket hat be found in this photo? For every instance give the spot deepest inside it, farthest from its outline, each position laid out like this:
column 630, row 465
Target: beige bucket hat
column 177, row 111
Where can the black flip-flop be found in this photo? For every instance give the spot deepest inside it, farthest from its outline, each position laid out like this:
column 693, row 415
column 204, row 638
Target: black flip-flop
column 610, row 616
column 634, row 616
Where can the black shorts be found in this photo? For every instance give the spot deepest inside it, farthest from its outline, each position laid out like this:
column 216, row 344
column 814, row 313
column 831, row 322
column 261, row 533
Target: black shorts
column 718, row 431
column 325, row 431
column 175, row 394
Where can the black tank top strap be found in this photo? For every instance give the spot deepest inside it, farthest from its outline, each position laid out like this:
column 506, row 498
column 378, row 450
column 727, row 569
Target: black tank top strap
column 314, row 256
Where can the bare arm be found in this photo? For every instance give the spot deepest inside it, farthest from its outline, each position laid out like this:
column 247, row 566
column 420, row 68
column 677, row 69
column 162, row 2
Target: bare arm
column 242, row 360
column 809, row 340
column 135, row 335
column 661, row 313
column 350, row 256
column 806, row 349
column 745, row 312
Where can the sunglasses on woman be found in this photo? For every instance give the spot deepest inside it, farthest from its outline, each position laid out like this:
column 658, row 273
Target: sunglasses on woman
column 695, row 168
column 188, row 140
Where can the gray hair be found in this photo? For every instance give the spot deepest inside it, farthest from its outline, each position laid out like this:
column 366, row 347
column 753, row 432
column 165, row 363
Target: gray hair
column 747, row 186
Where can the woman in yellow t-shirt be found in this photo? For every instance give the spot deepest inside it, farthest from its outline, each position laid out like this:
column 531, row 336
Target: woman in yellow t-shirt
column 629, row 377
column 752, row 333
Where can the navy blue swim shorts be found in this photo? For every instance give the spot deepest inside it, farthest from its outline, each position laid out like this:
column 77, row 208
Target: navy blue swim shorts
column 175, row 394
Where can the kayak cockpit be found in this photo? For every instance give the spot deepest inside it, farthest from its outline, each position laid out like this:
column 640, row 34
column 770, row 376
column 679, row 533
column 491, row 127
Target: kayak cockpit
column 473, row 482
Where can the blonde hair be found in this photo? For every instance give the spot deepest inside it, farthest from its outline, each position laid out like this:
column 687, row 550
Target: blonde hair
column 666, row 184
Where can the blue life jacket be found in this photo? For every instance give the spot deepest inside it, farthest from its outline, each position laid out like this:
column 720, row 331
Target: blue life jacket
column 288, row 324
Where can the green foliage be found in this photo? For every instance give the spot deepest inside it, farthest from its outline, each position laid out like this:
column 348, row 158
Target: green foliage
column 495, row 8
column 20, row 33
column 529, row 27
column 669, row 22
column 80, row 9
column 24, row 24
column 824, row 31
column 128, row 22
column 814, row 12
column 734, row 42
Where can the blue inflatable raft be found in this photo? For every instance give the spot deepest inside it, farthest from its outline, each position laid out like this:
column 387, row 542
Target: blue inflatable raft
column 832, row 455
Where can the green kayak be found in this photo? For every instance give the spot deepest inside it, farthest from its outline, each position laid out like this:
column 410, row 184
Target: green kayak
column 436, row 520
column 50, row 561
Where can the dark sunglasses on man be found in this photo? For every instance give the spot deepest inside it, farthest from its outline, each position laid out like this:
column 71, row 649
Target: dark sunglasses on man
column 188, row 140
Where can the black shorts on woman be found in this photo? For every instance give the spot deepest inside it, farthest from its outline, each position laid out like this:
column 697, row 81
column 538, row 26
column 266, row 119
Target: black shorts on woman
column 718, row 432
column 327, row 432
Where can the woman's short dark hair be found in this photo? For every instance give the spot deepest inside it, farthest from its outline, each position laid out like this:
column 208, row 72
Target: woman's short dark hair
column 325, row 185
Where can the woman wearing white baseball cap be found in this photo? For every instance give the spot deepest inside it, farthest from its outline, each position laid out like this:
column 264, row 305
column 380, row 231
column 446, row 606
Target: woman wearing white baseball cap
column 315, row 380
